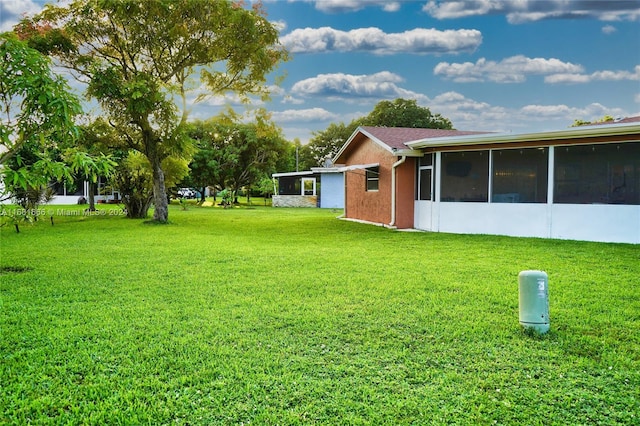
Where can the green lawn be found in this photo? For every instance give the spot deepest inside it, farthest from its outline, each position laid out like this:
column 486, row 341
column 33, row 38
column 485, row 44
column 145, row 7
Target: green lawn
column 290, row 316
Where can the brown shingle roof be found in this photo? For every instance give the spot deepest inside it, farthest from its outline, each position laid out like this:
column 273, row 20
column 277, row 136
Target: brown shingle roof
column 396, row 137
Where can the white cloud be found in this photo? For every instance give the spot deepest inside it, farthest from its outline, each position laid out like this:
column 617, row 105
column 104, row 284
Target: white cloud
column 391, row 6
column 595, row 76
column 279, row 25
column 510, row 70
column 567, row 78
column 567, row 113
column 545, row 111
column 340, row 6
column 304, row 115
column 460, row 9
column 374, row 40
column 353, row 88
column 469, row 114
column 522, row 11
column 11, row 11
column 617, row 75
column 609, row 29
column 288, row 99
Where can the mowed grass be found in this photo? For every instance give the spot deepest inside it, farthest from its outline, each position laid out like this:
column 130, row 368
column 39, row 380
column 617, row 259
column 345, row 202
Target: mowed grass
column 290, row 316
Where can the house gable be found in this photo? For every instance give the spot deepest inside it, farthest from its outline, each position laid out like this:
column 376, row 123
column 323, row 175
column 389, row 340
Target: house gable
column 395, row 140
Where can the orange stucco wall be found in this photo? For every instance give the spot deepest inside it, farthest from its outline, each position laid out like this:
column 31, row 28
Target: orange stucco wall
column 375, row 206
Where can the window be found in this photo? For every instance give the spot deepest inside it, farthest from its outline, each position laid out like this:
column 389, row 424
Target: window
column 309, row 186
column 373, row 178
column 289, row 185
column 591, row 174
column 425, row 180
column 465, row 176
column 75, row 187
column 520, row 175
column 100, row 188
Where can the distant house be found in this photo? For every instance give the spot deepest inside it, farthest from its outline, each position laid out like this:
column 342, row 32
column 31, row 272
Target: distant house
column 73, row 192
column 579, row 183
column 319, row 187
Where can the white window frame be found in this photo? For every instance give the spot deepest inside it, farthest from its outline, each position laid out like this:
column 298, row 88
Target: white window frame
column 302, row 185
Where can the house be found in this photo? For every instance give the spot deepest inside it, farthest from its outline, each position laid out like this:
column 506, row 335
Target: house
column 319, row 187
column 580, row 183
column 73, row 192
column 379, row 173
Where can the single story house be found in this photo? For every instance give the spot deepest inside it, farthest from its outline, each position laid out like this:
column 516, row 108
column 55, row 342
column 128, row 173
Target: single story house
column 579, row 183
column 319, row 187
column 71, row 193
column 380, row 171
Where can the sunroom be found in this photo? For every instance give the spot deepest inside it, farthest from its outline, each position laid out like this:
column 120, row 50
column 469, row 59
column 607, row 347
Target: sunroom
column 581, row 184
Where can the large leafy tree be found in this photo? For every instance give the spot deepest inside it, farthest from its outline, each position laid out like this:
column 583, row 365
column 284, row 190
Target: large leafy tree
column 211, row 161
column 405, row 113
column 133, row 179
column 140, row 58
column 38, row 134
column 37, row 116
column 231, row 154
column 325, row 144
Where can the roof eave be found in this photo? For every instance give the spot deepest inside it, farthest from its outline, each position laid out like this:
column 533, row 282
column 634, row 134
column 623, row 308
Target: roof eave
column 574, row 132
column 407, row 152
column 326, row 169
column 291, row 174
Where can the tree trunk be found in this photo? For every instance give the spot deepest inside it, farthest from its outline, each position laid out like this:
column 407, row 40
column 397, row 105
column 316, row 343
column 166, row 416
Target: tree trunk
column 92, row 197
column 161, row 211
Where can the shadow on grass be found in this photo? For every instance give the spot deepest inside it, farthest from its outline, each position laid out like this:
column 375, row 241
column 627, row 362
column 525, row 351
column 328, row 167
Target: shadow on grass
column 14, row 269
column 156, row 222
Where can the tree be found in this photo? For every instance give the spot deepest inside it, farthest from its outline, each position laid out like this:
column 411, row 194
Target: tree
column 231, row 154
column 97, row 138
column 38, row 113
column 259, row 146
column 212, row 160
column 405, row 113
column 266, row 187
column 605, row 119
column 134, row 179
column 37, row 130
column 138, row 57
column 325, row 144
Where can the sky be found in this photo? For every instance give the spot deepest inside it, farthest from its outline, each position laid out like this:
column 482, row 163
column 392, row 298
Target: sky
column 488, row 65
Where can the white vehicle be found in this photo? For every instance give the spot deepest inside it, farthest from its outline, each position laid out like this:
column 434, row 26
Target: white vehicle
column 186, row 193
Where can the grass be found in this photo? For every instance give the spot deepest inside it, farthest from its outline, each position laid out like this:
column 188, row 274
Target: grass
column 289, row 316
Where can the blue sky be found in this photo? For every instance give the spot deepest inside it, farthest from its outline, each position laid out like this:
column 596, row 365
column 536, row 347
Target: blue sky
column 494, row 65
